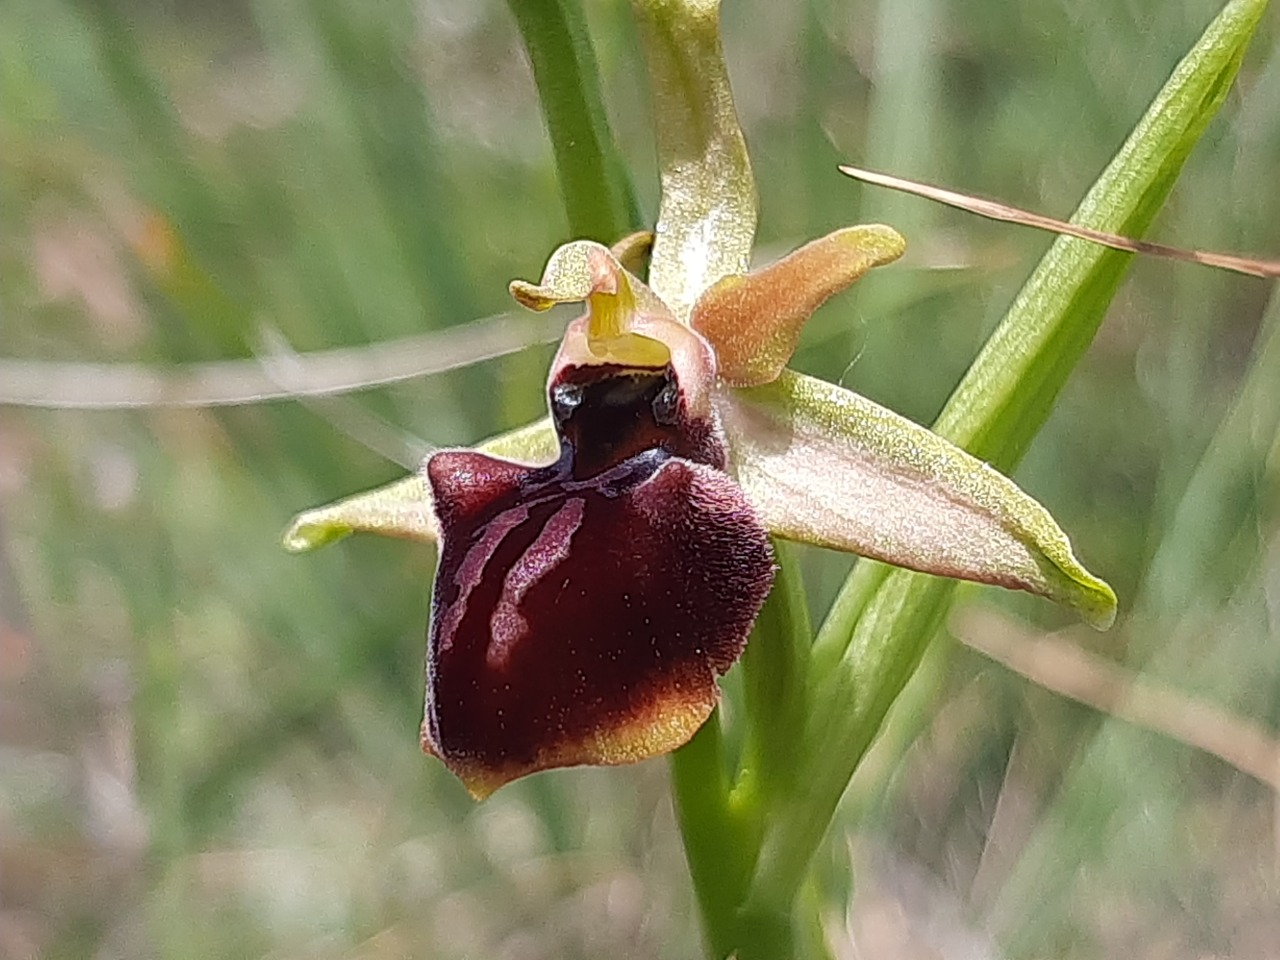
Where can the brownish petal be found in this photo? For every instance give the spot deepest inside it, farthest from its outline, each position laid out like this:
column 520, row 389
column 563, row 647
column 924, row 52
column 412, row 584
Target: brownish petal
column 754, row 321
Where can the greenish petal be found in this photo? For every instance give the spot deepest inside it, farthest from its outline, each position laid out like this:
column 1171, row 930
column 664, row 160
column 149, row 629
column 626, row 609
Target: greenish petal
column 826, row 466
column 707, row 219
column 403, row 509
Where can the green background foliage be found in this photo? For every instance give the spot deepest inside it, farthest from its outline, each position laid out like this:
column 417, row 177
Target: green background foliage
column 208, row 748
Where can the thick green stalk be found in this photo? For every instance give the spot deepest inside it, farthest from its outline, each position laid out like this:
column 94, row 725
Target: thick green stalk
column 598, row 197
column 719, row 842
column 880, row 626
column 775, row 672
column 722, row 817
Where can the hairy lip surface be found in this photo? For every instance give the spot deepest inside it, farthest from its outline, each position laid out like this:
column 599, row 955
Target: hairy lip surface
column 583, row 610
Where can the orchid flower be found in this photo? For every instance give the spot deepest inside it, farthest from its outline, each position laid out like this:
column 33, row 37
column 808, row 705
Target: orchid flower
column 600, row 568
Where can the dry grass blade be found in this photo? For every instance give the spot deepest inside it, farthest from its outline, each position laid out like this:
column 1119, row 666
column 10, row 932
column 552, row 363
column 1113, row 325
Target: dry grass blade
column 115, row 386
column 1069, row 671
column 1008, row 214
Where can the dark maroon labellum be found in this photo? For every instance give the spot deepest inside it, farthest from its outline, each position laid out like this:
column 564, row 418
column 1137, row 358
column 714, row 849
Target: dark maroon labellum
column 582, row 611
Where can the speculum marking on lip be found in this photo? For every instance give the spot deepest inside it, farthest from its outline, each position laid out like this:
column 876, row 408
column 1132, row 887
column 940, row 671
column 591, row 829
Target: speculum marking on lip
column 550, row 548
column 471, row 570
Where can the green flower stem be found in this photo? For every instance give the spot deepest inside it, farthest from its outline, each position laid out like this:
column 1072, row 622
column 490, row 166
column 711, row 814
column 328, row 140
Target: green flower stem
column 720, row 838
column 722, row 817
column 848, row 710
column 881, row 624
column 775, row 672
column 598, row 196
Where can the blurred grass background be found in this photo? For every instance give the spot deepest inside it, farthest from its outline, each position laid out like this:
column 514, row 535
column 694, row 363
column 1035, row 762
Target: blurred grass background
column 208, row 748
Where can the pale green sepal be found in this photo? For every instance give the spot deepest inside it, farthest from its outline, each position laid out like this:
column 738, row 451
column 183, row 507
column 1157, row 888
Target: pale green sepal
column 403, row 509
column 707, row 217
column 535, row 443
column 400, row 509
column 826, row 466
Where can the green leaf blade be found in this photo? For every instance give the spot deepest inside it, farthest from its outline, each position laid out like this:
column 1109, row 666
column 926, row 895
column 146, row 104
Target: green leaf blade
column 883, row 621
column 1010, row 388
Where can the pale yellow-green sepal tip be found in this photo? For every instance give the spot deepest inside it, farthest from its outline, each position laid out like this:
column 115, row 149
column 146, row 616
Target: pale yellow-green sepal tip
column 400, row 509
column 1092, row 598
column 404, row 508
